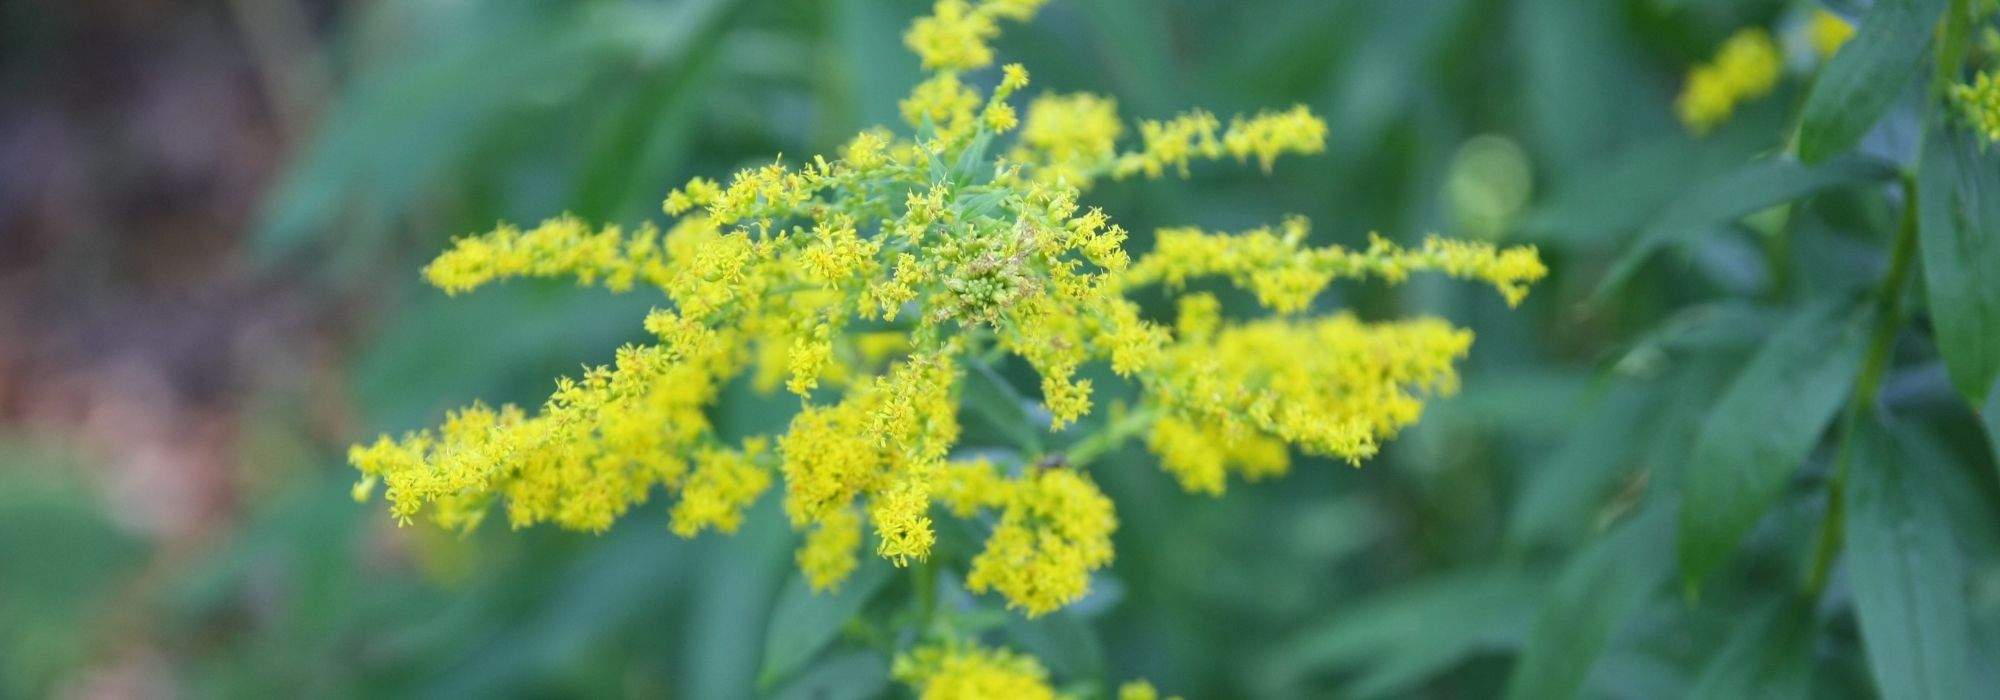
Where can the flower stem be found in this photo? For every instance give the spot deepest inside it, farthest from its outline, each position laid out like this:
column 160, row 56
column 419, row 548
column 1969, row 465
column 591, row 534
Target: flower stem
column 1888, row 318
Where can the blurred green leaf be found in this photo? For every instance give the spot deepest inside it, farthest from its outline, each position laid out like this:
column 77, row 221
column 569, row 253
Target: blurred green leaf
column 1768, row 657
column 1866, row 75
column 1905, row 571
column 1600, row 586
column 846, row 676
column 990, row 396
column 1706, row 208
column 1064, row 642
column 1566, row 489
column 1958, row 222
column 1762, row 428
column 398, row 128
column 1395, row 636
column 804, row 622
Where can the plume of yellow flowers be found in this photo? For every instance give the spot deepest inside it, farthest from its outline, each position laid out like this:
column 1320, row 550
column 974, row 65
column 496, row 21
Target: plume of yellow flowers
column 871, row 283
column 1746, row 67
column 1979, row 104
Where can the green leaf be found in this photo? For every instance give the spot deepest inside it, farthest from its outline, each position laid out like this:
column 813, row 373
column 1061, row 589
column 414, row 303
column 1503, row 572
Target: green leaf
column 994, row 400
column 1866, row 75
column 1063, row 641
column 1958, row 224
column 1905, row 571
column 1395, row 636
column 1763, row 427
column 1568, row 487
column 1715, row 203
column 805, row 622
column 1989, row 417
column 1768, row 657
column 849, row 676
column 1606, row 582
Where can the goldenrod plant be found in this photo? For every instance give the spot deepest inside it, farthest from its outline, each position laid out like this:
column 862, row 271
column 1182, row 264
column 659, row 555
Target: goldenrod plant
column 872, row 284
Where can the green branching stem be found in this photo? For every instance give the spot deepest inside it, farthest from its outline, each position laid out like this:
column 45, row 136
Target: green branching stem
column 1122, row 428
column 1888, row 319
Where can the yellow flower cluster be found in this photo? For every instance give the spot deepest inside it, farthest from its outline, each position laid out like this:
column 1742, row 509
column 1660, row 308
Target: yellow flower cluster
column 1055, row 528
column 1747, row 67
column 968, row 671
column 1979, row 104
column 870, row 283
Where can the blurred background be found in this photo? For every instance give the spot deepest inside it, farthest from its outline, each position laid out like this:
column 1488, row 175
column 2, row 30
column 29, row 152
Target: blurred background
column 212, row 215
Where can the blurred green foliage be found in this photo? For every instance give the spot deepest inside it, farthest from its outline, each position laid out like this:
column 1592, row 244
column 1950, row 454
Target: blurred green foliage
column 1627, row 500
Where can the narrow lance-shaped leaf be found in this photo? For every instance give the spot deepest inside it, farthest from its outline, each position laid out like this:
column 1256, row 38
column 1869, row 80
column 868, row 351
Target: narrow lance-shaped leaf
column 1763, row 427
column 1713, row 204
column 805, row 621
column 1769, row 656
column 1958, row 224
column 1863, row 79
column 1602, row 586
column 1905, row 571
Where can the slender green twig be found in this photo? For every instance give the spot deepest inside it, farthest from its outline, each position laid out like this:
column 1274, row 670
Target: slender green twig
column 1888, row 318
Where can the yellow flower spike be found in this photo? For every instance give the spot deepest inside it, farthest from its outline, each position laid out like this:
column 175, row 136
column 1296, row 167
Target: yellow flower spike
column 1746, row 67
column 1286, row 276
column 1979, row 104
column 564, row 246
column 1271, row 134
column 967, row 671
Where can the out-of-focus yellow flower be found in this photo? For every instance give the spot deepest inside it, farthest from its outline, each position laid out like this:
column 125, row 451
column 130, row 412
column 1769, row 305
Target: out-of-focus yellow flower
column 1747, row 67
column 1827, row 31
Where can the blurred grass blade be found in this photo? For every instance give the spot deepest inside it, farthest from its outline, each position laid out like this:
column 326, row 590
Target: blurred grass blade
column 1563, row 493
column 1063, row 641
column 1599, row 587
column 1905, row 571
column 1710, row 206
column 805, row 622
column 1396, row 636
column 1762, row 428
column 995, row 401
column 1861, row 80
column 850, row 676
column 1768, row 657
column 1958, row 223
